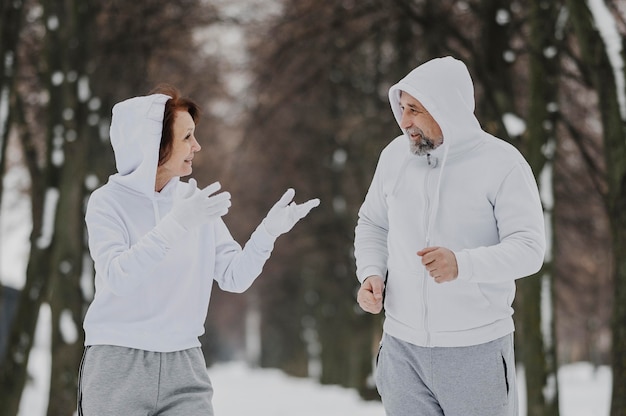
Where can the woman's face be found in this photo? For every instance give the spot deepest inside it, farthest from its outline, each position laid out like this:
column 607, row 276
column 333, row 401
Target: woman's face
column 184, row 147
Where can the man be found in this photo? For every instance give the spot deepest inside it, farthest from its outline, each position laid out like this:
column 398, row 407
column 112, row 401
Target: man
column 451, row 219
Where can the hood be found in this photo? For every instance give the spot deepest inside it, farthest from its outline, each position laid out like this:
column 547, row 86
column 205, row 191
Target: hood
column 445, row 88
column 136, row 128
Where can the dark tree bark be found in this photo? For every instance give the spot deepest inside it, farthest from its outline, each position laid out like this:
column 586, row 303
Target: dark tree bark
column 70, row 52
column 602, row 77
column 539, row 340
column 10, row 25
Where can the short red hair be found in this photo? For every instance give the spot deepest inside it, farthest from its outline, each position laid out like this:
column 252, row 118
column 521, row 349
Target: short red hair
column 174, row 104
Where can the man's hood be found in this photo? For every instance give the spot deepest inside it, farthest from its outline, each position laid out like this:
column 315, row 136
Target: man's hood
column 136, row 128
column 445, row 88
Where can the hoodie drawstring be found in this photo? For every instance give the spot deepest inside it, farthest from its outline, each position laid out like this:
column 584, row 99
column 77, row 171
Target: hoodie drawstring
column 157, row 214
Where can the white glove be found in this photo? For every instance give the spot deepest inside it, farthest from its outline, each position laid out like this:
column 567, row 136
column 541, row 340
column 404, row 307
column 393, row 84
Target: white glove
column 284, row 215
column 197, row 208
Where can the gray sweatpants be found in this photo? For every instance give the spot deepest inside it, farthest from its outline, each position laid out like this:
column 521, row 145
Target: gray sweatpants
column 116, row 381
column 478, row 380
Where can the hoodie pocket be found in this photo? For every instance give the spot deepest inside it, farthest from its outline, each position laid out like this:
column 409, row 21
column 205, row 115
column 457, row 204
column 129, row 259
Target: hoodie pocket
column 458, row 306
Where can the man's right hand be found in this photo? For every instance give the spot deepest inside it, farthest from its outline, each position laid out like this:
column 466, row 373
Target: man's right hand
column 370, row 295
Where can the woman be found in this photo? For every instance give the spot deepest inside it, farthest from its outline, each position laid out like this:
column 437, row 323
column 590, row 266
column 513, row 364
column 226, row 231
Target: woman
column 157, row 245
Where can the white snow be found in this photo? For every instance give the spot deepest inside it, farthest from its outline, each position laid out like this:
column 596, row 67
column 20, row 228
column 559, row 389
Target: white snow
column 253, row 332
column 605, row 23
column 545, row 184
column 34, row 400
column 4, row 114
column 503, row 17
column 241, row 390
column 546, row 311
column 53, row 23
column 57, row 78
column 50, row 208
column 340, row 156
column 15, row 221
column 69, row 332
column 514, row 125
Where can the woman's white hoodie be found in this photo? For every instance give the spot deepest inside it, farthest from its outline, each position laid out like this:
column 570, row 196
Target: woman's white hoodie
column 475, row 195
column 154, row 278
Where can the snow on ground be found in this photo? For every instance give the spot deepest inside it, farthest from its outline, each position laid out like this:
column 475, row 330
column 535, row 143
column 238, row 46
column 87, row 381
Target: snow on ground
column 584, row 391
column 240, row 390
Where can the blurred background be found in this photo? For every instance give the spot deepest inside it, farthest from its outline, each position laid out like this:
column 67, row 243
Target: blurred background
column 294, row 94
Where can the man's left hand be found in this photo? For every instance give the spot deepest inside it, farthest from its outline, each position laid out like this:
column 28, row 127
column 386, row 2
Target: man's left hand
column 440, row 263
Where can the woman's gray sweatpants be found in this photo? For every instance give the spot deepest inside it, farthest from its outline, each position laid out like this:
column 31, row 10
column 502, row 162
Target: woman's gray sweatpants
column 116, row 381
column 478, row 380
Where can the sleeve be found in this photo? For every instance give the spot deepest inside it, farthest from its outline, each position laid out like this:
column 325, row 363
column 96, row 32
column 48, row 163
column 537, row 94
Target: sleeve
column 124, row 268
column 519, row 217
column 237, row 268
column 370, row 234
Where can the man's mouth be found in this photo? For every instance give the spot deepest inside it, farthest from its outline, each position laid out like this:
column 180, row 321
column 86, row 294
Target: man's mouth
column 415, row 135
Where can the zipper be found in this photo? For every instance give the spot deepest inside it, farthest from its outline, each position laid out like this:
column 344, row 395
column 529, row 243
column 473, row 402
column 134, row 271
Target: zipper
column 425, row 273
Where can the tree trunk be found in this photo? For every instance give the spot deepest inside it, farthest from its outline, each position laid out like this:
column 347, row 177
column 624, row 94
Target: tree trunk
column 10, row 25
column 601, row 73
column 618, row 227
column 13, row 373
column 69, row 52
column 536, row 314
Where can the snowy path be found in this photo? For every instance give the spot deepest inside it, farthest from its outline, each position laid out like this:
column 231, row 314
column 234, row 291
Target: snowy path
column 240, row 390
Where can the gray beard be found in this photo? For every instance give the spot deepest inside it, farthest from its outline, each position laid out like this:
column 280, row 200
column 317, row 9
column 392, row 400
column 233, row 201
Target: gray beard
column 424, row 146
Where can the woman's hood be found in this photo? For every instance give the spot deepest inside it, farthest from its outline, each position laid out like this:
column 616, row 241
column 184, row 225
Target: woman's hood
column 445, row 88
column 136, row 128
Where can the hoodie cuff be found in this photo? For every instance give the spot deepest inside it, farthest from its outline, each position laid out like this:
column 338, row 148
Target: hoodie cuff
column 170, row 230
column 464, row 265
column 370, row 271
column 262, row 238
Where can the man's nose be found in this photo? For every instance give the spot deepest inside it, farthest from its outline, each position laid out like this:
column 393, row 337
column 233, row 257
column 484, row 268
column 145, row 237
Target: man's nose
column 405, row 121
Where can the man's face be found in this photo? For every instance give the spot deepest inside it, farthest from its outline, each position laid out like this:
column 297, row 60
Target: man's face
column 423, row 131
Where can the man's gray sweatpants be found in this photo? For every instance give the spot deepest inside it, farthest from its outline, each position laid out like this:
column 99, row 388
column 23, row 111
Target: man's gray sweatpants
column 116, row 381
column 478, row 380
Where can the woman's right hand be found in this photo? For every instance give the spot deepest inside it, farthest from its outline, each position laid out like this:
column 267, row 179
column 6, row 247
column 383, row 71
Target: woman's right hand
column 197, row 207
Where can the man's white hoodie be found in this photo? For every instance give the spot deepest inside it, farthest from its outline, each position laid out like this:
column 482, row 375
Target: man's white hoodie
column 475, row 195
column 153, row 277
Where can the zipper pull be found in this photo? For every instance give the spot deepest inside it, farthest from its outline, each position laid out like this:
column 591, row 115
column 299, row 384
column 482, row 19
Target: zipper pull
column 432, row 162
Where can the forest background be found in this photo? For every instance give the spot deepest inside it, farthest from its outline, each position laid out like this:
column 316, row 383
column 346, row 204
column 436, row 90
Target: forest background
column 294, row 93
